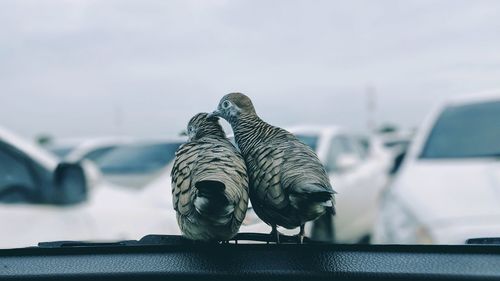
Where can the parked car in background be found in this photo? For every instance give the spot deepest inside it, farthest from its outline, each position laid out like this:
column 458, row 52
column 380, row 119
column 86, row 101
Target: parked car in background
column 44, row 200
column 448, row 189
column 30, row 174
column 85, row 148
column 123, row 161
column 358, row 170
column 138, row 162
column 102, row 210
column 397, row 142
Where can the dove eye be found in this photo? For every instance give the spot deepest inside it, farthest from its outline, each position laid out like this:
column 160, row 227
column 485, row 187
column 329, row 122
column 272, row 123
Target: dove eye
column 226, row 104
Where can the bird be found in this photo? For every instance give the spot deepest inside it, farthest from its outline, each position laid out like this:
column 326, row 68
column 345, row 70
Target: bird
column 209, row 183
column 288, row 184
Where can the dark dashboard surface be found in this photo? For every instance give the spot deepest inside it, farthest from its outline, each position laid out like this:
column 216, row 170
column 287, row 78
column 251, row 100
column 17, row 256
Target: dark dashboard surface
column 251, row 262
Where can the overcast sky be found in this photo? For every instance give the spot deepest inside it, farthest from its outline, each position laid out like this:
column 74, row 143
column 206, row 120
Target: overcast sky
column 89, row 68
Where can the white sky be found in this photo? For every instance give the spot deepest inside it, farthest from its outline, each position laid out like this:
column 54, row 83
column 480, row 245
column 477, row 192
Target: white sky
column 69, row 68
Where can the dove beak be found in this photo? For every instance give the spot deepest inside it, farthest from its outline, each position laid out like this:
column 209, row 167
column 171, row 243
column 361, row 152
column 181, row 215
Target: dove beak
column 216, row 113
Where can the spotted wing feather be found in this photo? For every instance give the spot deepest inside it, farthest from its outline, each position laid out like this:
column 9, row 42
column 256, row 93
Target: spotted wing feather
column 286, row 177
column 209, row 160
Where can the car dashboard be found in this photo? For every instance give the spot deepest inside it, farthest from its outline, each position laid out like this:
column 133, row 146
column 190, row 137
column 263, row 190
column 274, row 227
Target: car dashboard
column 173, row 258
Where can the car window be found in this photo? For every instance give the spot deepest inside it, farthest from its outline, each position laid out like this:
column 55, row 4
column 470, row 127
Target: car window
column 349, row 147
column 343, row 145
column 16, row 180
column 361, row 146
column 61, row 152
column 95, row 154
column 466, row 131
column 338, row 146
column 145, row 158
column 365, row 145
column 310, row 140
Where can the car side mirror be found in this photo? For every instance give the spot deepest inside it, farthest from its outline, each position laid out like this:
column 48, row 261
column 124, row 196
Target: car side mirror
column 398, row 160
column 71, row 184
column 346, row 162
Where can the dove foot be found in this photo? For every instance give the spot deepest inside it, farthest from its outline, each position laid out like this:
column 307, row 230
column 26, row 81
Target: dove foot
column 300, row 236
column 275, row 235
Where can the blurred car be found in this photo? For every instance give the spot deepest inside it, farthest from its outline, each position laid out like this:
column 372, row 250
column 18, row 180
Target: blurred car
column 138, row 162
column 357, row 168
column 123, row 161
column 89, row 148
column 448, row 189
column 397, row 143
column 43, row 200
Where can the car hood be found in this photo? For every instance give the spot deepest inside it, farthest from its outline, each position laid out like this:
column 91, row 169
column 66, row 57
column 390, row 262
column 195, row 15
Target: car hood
column 440, row 192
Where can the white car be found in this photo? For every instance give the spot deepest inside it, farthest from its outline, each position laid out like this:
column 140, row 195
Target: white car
column 397, row 143
column 448, row 188
column 41, row 200
column 123, row 161
column 103, row 212
column 77, row 149
column 358, row 172
column 139, row 162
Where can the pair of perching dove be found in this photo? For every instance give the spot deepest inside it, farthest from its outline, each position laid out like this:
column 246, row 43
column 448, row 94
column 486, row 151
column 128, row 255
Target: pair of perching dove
column 212, row 180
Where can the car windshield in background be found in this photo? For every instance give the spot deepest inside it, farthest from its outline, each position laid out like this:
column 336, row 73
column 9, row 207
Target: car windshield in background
column 311, row 141
column 61, row 152
column 138, row 158
column 97, row 154
column 467, row 131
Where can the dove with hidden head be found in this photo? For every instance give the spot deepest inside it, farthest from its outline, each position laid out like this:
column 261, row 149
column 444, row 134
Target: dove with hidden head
column 288, row 183
column 209, row 183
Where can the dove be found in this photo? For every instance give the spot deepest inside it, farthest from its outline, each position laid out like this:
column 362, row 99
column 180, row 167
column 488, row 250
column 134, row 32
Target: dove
column 288, row 184
column 209, row 183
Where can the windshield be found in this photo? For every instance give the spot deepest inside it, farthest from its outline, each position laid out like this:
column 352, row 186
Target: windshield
column 98, row 153
column 61, row 152
column 467, row 131
column 311, row 141
column 115, row 88
column 137, row 158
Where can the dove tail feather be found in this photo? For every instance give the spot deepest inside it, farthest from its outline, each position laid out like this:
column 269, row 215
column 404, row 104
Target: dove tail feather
column 313, row 192
column 211, row 201
column 313, row 200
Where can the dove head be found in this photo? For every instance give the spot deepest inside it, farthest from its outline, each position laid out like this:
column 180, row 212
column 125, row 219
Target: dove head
column 203, row 125
column 233, row 106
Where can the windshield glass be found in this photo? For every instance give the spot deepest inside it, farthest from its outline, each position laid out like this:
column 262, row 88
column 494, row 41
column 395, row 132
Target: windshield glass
column 114, row 88
column 466, row 131
column 311, row 141
column 137, row 158
column 96, row 154
column 61, row 152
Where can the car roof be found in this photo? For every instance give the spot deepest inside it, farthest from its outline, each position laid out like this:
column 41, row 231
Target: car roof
column 484, row 96
column 35, row 152
column 113, row 140
column 160, row 140
column 315, row 129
